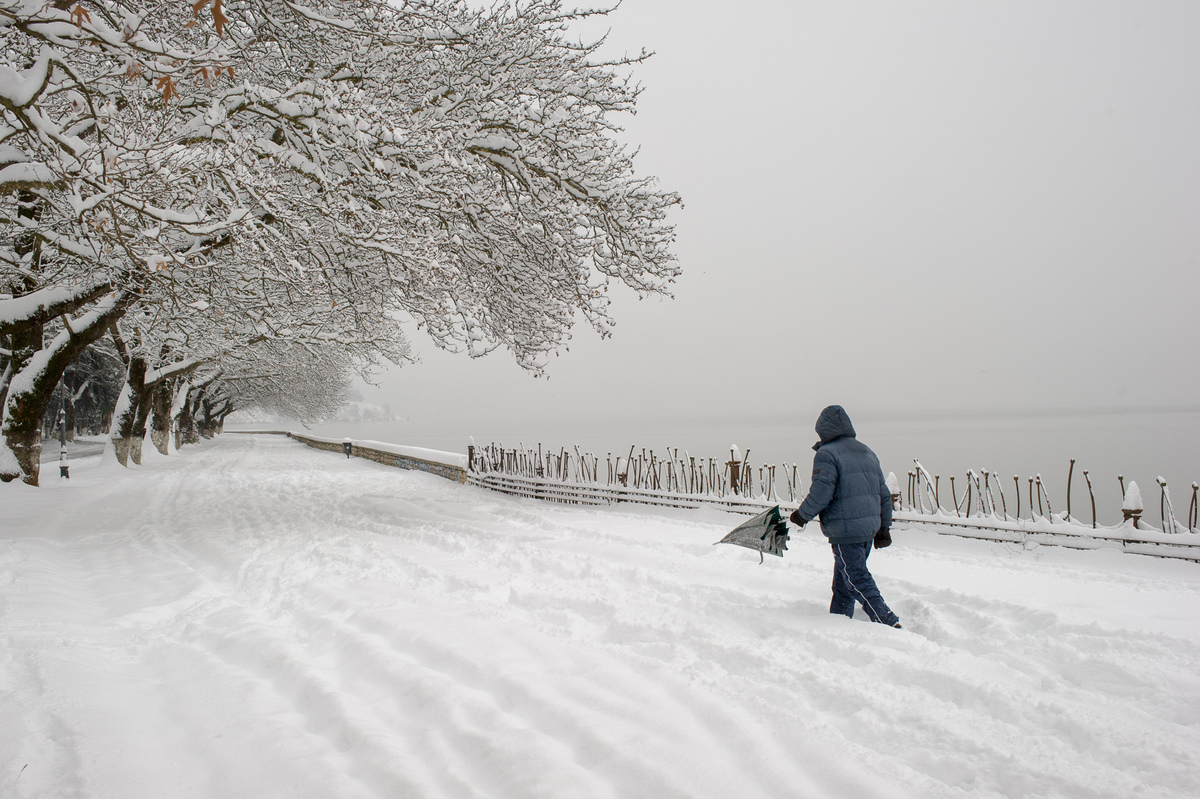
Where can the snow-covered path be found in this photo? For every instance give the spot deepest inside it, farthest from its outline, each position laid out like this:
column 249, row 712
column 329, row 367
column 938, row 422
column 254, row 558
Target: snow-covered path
column 252, row 618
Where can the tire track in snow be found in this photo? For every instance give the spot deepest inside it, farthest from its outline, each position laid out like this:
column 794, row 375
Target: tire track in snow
column 338, row 628
column 564, row 722
column 280, row 588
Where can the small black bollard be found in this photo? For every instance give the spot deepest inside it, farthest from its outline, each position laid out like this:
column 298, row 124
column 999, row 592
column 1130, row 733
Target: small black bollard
column 346, row 448
column 63, row 469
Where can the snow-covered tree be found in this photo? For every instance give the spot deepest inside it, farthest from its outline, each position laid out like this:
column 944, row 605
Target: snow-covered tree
column 322, row 173
column 288, row 380
column 88, row 390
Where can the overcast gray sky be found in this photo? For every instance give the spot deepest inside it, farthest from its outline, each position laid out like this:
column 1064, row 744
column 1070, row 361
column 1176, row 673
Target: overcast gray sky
column 897, row 206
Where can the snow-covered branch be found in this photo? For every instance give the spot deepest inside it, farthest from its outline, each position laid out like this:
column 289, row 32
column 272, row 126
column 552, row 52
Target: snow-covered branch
column 320, row 175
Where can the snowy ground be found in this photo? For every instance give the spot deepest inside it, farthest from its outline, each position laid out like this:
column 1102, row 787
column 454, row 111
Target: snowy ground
column 252, row 618
column 81, row 447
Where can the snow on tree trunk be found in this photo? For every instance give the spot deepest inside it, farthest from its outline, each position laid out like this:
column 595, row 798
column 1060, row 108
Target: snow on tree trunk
column 120, row 412
column 191, row 433
column 23, row 414
column 5, row 377
column 179, row 410
column 125, row 415
column 145, row 397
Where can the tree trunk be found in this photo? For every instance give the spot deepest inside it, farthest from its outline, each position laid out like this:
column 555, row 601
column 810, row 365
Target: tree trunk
column 23, row 342
column 207, row 427
column 145, row 397
column 214, row 415
column 34, row 382
column 184, row 421
column 160, row 415
column 69, row 381
column 192, row 434
column 124, row 423
column 5, row 376
column 180, row 409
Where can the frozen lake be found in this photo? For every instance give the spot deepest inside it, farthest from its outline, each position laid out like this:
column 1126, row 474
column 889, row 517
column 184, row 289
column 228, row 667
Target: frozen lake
column 1141, row 445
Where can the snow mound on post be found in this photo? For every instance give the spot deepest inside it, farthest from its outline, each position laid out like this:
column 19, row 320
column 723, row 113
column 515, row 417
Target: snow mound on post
column 1133, row 498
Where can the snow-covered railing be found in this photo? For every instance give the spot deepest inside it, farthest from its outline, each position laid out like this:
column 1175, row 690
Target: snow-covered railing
column 552, row 490
column 982, row 512
column 978, row 514
column 671, row 473
column 641, row 477
column 1142, row 540
column 451, row 465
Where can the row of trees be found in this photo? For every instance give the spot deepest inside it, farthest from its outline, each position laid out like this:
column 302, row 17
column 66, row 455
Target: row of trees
column 86, row 397
column 249, row 200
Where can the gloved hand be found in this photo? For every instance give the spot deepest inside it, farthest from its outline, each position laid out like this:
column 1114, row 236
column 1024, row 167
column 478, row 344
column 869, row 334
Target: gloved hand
column 883, row 538
column 797, row 519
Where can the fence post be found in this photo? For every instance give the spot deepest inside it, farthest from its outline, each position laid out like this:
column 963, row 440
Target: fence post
column 1070, row 474
column 1092, row 495
column 1169, row 511
column 735, row 469
column 1131, row 506
column 1194, row 509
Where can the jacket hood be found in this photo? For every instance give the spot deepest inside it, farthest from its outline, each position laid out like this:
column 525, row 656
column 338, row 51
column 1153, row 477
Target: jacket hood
column 833, row 423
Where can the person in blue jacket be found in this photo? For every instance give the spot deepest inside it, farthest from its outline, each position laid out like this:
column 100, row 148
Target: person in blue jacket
column 850, row 494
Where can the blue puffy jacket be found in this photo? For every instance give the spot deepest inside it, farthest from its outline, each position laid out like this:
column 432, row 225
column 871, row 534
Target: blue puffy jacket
column 848, row 488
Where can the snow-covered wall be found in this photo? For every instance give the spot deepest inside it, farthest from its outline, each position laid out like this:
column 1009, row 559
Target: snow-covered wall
column 450, row 465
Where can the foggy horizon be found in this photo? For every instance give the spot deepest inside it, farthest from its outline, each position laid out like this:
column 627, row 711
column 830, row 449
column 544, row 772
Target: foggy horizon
column 917, row 211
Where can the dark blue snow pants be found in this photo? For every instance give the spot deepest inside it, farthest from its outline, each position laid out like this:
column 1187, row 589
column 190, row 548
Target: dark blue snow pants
column 853, row 583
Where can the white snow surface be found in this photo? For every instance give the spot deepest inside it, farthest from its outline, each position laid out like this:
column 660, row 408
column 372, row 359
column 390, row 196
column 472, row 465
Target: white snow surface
column 420, row 453
column 255, row 618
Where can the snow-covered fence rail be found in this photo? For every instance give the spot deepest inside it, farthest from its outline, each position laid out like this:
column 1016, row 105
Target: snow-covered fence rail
column 668, row 474
column 450, row 465
column 583, row 494
column 1141, row 540
column 981, row 512
column 642, row 477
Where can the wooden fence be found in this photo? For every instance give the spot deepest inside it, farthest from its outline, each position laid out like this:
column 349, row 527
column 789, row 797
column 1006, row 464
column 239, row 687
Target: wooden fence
column 645, row 477
column 671, row 480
